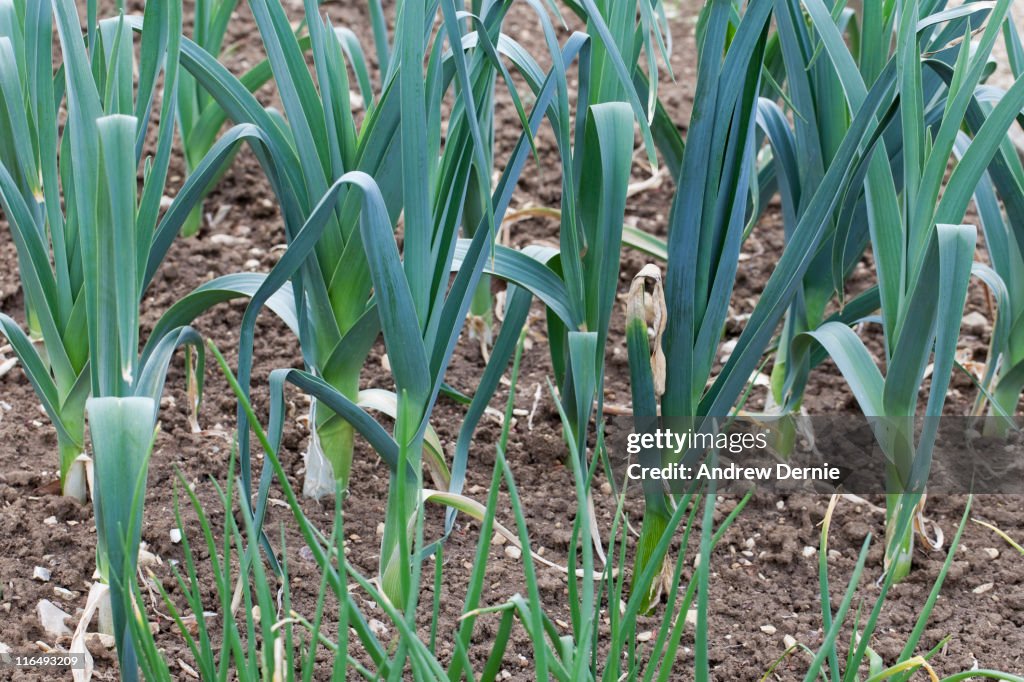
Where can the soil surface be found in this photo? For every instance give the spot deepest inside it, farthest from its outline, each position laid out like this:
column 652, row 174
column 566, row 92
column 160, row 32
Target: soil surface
column 764, row 587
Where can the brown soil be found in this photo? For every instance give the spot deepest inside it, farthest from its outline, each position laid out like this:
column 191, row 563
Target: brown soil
column 760, row 575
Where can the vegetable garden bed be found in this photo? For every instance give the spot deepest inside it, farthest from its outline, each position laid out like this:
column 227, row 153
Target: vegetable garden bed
column 763, row 576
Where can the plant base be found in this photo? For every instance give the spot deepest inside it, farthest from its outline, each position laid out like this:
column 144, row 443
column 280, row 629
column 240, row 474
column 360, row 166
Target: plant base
column 78, row 479
column 319, row 481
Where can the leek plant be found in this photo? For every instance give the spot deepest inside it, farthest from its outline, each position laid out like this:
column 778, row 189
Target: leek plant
column 78, row 291
column 924, row 256
column 90, row 239
column 342, row 188
column 342, row 320
column 199, row 118
column 800, row 154
column 594, row 198
column 307, row 154
column 481, row 310
column 577, row 282
column 52, row 234
column 576, row 289
column 1003, row 186
column 29, row 173
column 705, row 234
column 801, row 151
column 707, row 225
column 114, row 228
column 629, row 39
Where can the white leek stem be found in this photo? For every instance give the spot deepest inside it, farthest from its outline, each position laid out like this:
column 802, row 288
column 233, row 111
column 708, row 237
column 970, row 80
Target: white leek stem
column 319, row 481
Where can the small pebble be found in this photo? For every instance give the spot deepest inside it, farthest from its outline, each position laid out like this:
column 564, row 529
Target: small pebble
column 809, row 551
column 175, row 535
column 768, row 629
column 513, row 552
column 975, row 323
column 50, row 521
column 51, row 618
column 41, row 574
column 224, row 239
column 983, row 588
column 378, row 628
column 102, row 639
column 187, row 669
column 147, row 558
column 645, row 636
column 991, row 552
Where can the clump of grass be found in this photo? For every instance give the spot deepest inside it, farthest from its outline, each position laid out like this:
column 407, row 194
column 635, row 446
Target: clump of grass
column 276, row 640
column 861, row 660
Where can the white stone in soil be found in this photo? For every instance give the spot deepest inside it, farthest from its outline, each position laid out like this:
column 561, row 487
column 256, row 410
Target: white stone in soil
column 51, row 618
column 975, row 322
column 102, row 639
